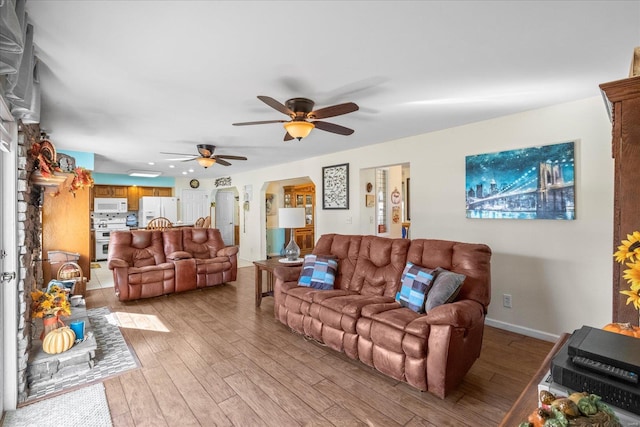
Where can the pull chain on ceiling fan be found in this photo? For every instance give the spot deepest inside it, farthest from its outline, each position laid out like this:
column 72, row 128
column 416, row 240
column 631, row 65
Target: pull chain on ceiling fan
column 301, row 110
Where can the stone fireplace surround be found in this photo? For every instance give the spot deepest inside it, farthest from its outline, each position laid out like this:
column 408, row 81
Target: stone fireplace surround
column 29, row 247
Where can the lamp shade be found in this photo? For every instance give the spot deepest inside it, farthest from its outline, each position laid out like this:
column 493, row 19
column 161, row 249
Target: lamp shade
column 205, row 161
column 298, row 129
column 291, row 218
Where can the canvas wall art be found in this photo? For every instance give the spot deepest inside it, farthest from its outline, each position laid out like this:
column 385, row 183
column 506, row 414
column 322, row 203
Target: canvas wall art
column 528, row 183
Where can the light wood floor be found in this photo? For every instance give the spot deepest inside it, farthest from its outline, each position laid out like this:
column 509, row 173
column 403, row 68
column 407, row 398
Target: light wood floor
column 224, row 362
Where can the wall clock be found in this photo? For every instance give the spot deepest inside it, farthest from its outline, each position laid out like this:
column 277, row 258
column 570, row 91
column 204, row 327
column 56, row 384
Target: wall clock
column 194, row 183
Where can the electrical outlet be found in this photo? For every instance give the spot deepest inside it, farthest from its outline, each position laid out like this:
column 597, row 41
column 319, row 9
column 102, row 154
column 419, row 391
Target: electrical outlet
column 506, row 300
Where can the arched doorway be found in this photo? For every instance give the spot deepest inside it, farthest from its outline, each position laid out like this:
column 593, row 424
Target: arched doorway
column 295, row 192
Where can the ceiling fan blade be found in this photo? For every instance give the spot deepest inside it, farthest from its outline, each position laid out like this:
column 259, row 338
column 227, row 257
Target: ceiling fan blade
column 276, row 105
column 263, row 122
column 334, row 110
column 224, row 156
column 287, row 137
column 178, row 154
column 181, row 159
column 222, row 162
column 332, row 127
column 188, row 160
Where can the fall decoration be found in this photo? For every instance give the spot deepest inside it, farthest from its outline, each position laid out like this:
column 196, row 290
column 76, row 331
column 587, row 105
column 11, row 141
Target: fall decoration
column 628, row 254
column 623, row 328
column 51, row 303
column 58, row 340
column 46, row 162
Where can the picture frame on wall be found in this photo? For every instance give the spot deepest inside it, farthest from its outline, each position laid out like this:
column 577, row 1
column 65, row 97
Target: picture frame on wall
column 527, row 183
column 369, row 200
column 335, row 186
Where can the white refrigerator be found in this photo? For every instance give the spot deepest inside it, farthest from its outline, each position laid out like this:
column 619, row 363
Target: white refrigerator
column 153, row 207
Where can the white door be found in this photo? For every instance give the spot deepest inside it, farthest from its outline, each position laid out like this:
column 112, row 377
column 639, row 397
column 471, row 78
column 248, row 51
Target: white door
column 225, row 204
column 195, row 204
column 8, row 259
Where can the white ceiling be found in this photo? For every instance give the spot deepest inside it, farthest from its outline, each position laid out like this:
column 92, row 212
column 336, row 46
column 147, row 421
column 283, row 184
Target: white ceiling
column 129, row 79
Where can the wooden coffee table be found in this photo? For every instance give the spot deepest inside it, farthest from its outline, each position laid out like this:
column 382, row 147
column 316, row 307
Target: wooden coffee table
column 268, row 265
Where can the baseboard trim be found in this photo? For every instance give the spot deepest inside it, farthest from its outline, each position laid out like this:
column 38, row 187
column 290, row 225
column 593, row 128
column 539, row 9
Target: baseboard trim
column 534, row 333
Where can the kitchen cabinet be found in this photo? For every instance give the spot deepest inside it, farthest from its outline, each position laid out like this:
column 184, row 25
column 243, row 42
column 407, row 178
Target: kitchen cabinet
column 133, row 198
column 155, row 191
column 109, row 191
column 302, row 196
column 624, row 99
column 131, row 193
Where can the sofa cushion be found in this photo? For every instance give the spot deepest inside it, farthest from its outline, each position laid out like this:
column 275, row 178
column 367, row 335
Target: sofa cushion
column 318, row 271
column 445, row 288
column 416, row 282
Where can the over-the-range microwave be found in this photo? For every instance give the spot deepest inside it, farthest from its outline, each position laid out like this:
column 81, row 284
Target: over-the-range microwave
column 109, row 205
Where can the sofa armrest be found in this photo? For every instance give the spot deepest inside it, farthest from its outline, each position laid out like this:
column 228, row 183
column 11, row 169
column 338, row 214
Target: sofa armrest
column 460, row 314
column 174, row 256
column 228, row 251
column 117, row 263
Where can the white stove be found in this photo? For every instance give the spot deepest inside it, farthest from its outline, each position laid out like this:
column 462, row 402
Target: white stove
column 103, row 225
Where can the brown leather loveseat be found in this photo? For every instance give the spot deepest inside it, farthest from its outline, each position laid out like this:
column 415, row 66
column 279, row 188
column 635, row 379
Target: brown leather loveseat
column 149, row 263
column 361, row 317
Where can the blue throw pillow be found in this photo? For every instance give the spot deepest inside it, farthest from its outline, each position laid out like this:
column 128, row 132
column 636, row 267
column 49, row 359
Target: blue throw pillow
column 318, row 271
column 416, row 282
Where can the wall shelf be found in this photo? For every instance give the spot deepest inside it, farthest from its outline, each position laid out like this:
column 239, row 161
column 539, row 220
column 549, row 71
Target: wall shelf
column 53, row 183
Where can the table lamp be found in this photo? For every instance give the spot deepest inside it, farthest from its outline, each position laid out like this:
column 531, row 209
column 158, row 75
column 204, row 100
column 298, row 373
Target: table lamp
column 291, row 218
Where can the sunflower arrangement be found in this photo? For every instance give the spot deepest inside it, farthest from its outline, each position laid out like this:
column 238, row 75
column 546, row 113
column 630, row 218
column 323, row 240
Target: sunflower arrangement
column 628, row 254
column 54, row 302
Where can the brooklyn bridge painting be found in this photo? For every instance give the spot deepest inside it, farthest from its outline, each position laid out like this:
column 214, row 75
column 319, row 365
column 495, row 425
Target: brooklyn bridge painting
column 528, row 183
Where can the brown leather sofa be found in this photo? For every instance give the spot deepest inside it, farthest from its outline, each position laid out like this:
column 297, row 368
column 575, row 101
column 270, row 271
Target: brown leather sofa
column 360, row 317
column 149, row 263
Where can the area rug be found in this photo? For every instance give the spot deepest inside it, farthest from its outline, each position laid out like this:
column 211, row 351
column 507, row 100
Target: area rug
column 95, row 265
column 113, row 357
column 64, row 410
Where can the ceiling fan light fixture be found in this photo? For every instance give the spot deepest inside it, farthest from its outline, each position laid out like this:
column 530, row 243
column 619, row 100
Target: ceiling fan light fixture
column 205, row 162
column 298, row 129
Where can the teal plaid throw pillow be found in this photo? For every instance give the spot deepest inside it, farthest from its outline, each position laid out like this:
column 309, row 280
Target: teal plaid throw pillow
column 416, row 282
column 318, row 272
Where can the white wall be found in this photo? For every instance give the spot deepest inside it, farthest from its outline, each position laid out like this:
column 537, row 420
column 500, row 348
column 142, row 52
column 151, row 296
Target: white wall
column 558, row 272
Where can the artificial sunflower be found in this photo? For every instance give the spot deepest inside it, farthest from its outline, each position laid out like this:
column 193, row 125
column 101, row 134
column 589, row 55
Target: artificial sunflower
column 51, row 303
column 629, row 249
column 629, row 254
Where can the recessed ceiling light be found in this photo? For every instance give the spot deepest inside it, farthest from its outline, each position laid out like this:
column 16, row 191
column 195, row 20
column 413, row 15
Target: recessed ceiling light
column 172, row 166
column 146, row 174
column 191, row 170
column 184, row 172
column 151, row 163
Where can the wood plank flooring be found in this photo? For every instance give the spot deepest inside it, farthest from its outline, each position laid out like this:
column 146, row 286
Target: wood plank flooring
column 225, row 362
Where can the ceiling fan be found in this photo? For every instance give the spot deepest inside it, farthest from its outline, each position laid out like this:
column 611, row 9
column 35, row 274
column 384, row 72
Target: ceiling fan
column 301, row 110
column 207, row 158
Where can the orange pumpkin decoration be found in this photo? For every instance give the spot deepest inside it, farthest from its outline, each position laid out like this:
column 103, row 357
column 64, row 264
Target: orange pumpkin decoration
column 624, row 329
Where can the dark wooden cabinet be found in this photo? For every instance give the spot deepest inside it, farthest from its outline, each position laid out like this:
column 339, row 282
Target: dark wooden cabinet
column 624, row 99
column 302, row 196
